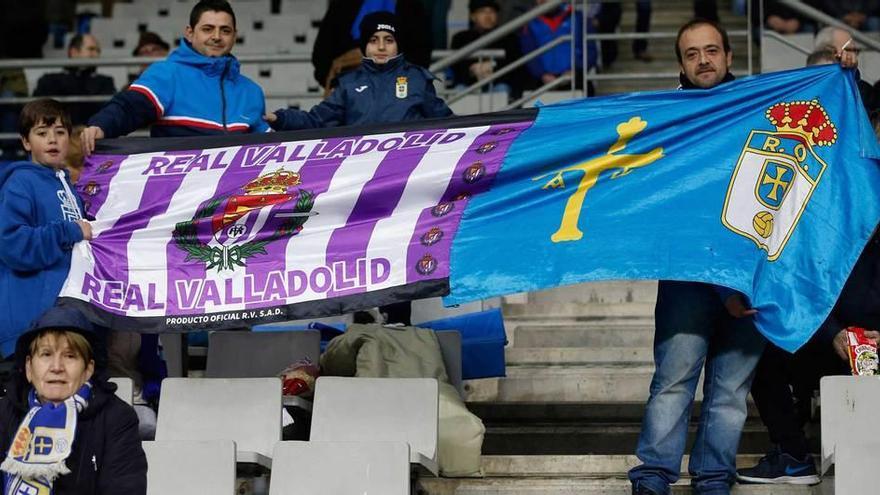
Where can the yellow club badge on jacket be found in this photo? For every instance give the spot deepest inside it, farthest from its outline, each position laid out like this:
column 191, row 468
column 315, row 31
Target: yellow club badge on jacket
column 402, row 88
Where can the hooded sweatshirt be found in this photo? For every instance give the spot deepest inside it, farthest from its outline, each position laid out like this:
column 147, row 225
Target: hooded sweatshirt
column 37, row 233
column 106, row 457
column 188, row 94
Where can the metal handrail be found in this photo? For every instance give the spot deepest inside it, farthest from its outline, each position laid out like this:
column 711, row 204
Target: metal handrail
column 507, row 69
column 819, row 16
column 495, row 35
column 559, row 81
column 43, row 63
column 654, row 35
column 785, row 41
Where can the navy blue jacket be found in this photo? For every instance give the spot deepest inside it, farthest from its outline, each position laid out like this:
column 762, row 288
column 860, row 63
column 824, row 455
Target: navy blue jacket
column 396, row 91
column 188, row 94
column 37, row 233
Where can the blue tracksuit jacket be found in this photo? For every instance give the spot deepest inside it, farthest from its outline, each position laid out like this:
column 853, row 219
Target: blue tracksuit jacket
column 187, row 94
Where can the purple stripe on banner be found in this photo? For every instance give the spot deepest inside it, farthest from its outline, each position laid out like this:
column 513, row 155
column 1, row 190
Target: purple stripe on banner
column 315, row 175
column 94, row 182
column 187, row 289
column 110, row 247
column 428, row 254
column 378, row 199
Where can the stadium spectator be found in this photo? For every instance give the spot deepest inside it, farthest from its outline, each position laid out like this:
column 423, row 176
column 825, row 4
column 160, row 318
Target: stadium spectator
column 149, row 44
column 198, row 90
column 557, row 62
column 61, row 16
column 784, row 383
column 438, row 17
column 608, row 22
column 698, row 324
column 858, row 14
column 706, row 9
column 78, row 81
column 483, row 19
column 336, row 47
column 511, row 9
column 782, row 19
column 386, row 88
column 830, row 54
column 60, row 386
column 40, row 220
column 136, row 356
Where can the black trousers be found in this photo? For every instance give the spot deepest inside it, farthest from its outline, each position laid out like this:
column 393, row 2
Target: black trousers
column 783, row 388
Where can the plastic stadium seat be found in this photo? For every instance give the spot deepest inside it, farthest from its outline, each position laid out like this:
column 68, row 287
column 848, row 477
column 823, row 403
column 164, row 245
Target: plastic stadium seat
column 259, row 354
column 340, row 468
column 849, row 411
column 281, row 77
column 194, row 467
column 244, row 410
column 124, row 388
column 379, row 409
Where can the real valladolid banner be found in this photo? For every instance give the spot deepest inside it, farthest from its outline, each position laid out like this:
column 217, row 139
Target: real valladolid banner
column 752, row 185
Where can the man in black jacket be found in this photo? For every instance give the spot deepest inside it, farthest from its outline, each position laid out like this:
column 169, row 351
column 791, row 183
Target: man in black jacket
column 78, row 81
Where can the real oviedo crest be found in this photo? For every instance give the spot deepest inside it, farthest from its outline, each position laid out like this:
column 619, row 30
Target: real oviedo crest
column 227, row 230
column 777, row 173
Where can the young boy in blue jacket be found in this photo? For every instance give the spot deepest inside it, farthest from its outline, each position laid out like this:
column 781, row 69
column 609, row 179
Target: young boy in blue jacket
column 386, row 88
column 40, row 221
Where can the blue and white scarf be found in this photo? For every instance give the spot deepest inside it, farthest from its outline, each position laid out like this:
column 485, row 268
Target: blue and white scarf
column 42, row 443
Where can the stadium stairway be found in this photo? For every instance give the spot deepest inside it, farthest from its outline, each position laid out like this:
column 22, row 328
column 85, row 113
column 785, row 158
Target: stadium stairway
column 567, row 416
column 668, row 16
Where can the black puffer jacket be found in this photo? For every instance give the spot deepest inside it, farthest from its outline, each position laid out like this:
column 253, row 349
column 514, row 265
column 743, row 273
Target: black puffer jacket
column 107, row 458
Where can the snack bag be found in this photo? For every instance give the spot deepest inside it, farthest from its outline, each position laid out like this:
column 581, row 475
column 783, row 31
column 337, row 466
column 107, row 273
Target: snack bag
column 862, row 352
column 299, row 378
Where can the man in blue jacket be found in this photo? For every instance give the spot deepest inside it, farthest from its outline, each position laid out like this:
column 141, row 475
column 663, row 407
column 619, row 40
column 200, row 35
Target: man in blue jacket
column 198, row 90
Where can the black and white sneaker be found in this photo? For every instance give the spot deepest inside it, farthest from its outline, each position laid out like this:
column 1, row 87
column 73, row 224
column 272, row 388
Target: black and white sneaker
column 779, row 467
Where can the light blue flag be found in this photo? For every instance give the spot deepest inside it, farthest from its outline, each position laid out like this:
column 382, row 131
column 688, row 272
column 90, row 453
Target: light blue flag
column 767, row 185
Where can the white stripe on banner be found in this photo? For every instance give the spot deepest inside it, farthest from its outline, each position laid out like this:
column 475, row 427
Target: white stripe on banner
column 307, row 252
column 424, row 188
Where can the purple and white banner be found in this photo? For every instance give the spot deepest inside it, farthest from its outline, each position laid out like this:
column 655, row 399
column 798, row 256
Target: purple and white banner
column 231, row 235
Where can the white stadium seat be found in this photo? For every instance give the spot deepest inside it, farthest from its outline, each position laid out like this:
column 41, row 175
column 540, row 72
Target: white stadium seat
column 194, row 467
column 379, row 409
column 245, row 410
column 340, row 468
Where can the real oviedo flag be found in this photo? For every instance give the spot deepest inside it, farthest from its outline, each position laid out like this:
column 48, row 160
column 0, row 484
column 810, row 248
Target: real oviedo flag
column 767, row 185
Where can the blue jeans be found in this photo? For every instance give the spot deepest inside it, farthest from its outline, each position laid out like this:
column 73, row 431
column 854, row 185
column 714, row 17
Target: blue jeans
column 693, row 330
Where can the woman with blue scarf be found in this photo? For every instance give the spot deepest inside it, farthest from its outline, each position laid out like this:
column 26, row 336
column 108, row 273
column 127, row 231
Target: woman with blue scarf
column 63, row 431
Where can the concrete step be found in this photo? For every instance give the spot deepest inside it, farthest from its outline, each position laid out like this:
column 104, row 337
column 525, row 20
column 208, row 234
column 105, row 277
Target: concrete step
column 594, row 438
column 571, row 412
column 584, row 486
column 601, row 383
column 553, row 466
column 517, row 356
column 615, row 291
column 597, row 334
column 574, row 309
